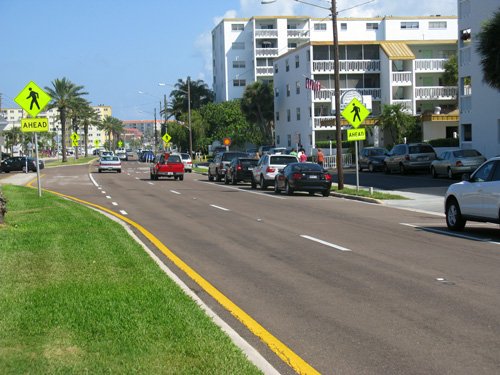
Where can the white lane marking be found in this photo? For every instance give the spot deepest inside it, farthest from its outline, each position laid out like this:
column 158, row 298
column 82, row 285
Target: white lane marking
column 123, row 212
column 93, row 181
column 338, row 247
column 175, row 192
column 102, row 191
column 453, row 234
column 150, row 183
column 245, row 191
column 108, row 196
column 114, row 203
column 220, row 208
column 137, row 178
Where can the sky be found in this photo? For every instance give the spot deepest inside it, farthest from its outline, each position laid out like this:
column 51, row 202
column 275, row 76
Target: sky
column 120, row 50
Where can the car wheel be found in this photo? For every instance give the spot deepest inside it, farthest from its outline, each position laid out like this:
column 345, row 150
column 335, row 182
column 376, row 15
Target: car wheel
column 276, row 188
column 226, row 179
column 119, row 171
column 234, row 181
column 262, row 183
column 253, row 183
column 450, row 174
column 326, row 193
column 100, row 171
column 311, row 192
column 360, row 168
column 217, row 176
column 433, row 172
column 181, row 178
column 454, row 219
column 24, row 169
column 210, row 177
column 386, row 169
column 402, row 169
column 371, row 168
column 288, row 189
column 175, row 178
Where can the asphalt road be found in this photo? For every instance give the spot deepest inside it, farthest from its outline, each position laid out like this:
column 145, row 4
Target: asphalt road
column 350, row 287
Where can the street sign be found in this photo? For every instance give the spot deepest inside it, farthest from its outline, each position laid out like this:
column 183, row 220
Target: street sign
column 356, row 134
column 166, row 138
column 226, row 141
column 355, row 113
column 120, row 143
column 39, row 124
column 96, row 143
column 32, row 99
column 75, row 137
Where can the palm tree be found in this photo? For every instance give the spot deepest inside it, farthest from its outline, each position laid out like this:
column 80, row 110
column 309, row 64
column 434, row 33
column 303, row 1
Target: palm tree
column 81, row 112
column 200, row 95
column 113, row 127
column 257, row 105
column 63, row 93
column 397, row 121
column 12, row 137
column 90, row 116
column 489, row 49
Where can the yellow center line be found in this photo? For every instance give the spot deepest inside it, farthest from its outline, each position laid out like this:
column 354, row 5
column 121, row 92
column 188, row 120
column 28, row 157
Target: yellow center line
column 278, row 347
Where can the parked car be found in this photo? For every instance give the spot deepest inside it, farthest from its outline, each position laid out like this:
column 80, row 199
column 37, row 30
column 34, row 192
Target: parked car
column 122, row 155
column 264, row 149
column 4, row 156
column 187, row 161
column 217, row 168
column 147, row 156
column 267, row 168
column 409, row 157
column 372, row 158
column 458, row 162
column 277, row 150
column 167, row 165
column 476, row 198
column 109, row 163
column 106, row 153
column 19, row 164
column 240, row 169
column 310, row 177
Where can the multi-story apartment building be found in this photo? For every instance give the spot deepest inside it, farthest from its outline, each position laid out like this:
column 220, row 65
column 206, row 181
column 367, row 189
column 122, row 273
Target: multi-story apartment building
column 13, row 118
column 479, row 103
column 389, row 60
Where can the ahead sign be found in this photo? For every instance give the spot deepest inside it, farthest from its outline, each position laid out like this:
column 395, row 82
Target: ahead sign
column 35, row 124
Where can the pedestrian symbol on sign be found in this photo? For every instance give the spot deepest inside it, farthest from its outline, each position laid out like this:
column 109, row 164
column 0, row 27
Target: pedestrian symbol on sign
column 34, row 98
column 359, row 110
column 355, row 109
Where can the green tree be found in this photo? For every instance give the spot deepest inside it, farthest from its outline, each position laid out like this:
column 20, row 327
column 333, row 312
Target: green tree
column 397, row 121
column 113, row 127
column 489, row 48
column 450, row 75
column 257, row 105
column 63, row 93
column 13, row 136
column 200, row 95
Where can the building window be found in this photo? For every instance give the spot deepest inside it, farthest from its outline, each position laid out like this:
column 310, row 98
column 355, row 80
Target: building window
column 239, row 82
column 288, row 116
column 276, row 92
column 237, row 27
column 465, row 36
column 238, row 45
column 287, row 89
column 297, row 88
column 276, row 68
column 238, row 64
column 277, row 116
column 343, row 26
column 320, row 26
column 409, row 25
column 297, row 110
column 297, row 61
column 292, row 45
column 287, row 66
column 289, row 140
column 466, row 132
column 371, row 26
column 308, row 54
column 437, row 25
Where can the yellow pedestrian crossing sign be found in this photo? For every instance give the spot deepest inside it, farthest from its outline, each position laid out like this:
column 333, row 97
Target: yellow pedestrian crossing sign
column 355, row 112
column 75, row 137
column 32, row 99
column 166, row 138
column 96, row 143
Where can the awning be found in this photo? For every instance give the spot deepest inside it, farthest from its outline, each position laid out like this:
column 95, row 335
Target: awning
column 397, row 51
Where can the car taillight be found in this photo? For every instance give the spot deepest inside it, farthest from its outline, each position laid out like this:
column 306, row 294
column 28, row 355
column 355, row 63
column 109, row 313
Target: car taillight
column 328, row 176
column 459, row 164
column 270, row 170
column 189, row 162
column 296, row 176
column 407, row 157
column 238, row 167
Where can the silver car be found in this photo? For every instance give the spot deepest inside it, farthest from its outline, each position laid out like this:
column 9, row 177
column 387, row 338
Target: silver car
column 409, row 157
column 267, row 168
column 457, row 162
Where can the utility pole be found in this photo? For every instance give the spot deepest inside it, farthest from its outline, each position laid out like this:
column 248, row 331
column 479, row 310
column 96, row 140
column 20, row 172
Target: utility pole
column 189, row 117
column 156, row 135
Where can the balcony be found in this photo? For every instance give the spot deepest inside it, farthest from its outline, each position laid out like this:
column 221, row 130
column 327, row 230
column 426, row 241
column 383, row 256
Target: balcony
column 298, row 34
column 436, row 92
column 266, row 52
column 266, row 33
column 402, row 78
column 347, row 66
column 429, row 65
column 326, row 95
column 265, row 70
column 406, row 103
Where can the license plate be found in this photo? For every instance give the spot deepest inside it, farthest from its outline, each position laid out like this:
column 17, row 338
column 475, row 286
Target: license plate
column 250, row 169
column 170, row 173
column 313, row 177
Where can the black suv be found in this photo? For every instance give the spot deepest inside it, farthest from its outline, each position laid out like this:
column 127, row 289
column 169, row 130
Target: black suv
column 240, row 169
column 217, row 168
column 18, row 163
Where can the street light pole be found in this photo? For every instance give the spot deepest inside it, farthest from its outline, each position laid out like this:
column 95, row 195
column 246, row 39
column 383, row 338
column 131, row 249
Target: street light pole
column 189, row 117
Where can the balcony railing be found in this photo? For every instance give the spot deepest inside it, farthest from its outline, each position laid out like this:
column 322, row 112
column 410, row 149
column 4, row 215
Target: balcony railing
column 435, row 92
column 265, row 70
column 266, row 52
column 402, row 78
column 327, row 66
column 328, row 94
column 266, row 33
column 429, row 65
column 297, row 33
column 406, row 103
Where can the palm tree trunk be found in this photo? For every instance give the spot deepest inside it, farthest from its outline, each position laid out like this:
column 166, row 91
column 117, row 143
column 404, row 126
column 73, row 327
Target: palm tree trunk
column 63, row 134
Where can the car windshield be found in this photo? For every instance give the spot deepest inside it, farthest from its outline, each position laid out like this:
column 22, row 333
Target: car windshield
column 230, row 156
column 174, row 159
column 185, row 156
column 421, row 149
column 307, row 167
column 466, row 153
column 377, row 152
column 282, row 159
column 110, row 158
column 249, row 162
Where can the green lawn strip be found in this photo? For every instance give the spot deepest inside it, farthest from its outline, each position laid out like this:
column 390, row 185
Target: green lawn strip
column 366, row 193
column 78, row 295
column 70, row 161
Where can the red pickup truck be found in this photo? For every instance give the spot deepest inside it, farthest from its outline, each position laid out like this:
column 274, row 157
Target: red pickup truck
column 167, row 165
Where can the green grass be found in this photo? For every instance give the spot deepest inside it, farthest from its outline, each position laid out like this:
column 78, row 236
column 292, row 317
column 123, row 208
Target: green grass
column 366, row 193
column 78, row 295
column 71, row 161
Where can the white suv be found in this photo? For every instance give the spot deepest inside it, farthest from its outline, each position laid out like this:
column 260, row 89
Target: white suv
column 267, row 168
column 477, row 198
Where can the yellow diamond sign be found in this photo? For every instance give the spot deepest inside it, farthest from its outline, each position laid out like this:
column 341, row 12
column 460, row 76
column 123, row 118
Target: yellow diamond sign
column 32, row 99
column 355, row 113
column 166, row 138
